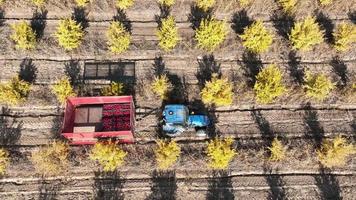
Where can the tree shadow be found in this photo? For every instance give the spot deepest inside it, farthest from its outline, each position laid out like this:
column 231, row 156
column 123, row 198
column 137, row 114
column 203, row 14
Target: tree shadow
column 38, row 23
column 207, row 67
column 313, row 126
column 164, row 185
column 57, row 127
column 28, row 71
column 328, row 185
column 352, row 16
column 73, row 71
column 296, row 71
column 48, row 190
column 159, row 67
column 164, row 13
column 283, row 23
column 2, row 16
column 80, row 16
column 240, row 21
column 122, row 17
column 340, row 68
column 264, row 127
column 252, row 66
column 108, row 186
column 197, row 15
column 220, row 186
column 275, row 183
column 10, row 132
column 327, row 25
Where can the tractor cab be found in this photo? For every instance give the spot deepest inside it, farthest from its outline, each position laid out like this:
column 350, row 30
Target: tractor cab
column 176, row 120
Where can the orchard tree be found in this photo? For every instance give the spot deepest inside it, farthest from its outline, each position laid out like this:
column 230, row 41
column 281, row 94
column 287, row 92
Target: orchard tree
column 124, row 4
column 244, row 3
column 69, row 34
column 63, row 89
column 108, row 155
column 325, row 2
column 168, row 34
column 205, row 4
column 114, row 89
column 167, row 154
column 344, row 35
column 119, row 38
column 82, row 3
column 4, row 161
column 210, row 34
column 39, row 3
column 306, row 34
column 256, row 38
column 317, row 86
column 51, row 160
column 278, row 150
column 218, row 91
column 288, row 6
column 220, row 153
column 14, row 92
column 23, row 36
column 168, row 3
column 161, row 86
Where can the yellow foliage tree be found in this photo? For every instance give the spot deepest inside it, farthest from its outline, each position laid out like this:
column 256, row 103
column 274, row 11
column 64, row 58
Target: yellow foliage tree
column 269, row 84
column 288, row 6
column 168, row 34
column 124, row 4
column 345, row 35
column 317, row 86
column 39, row 3
column 168, row 3
column 306, row 34
column 256, row 38
column 4, row 161
column 115, row 89
column 161, row 86
column 118, row 38
column 220, row 153
column 51, row 160
column 205, row 4
column 244, row 3
column 325, row 2
column 333, row 153
column 63, row 89
column 14, row 92
column 210, row 34
column 69, row 34
column 2, row 1
column 278, row 151
column 82, row 3
column 167, row 154
column 23, row 36
column 108, row 155
column 218, row 91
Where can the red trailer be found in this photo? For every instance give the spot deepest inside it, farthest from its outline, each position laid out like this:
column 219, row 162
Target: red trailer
column 88, row 119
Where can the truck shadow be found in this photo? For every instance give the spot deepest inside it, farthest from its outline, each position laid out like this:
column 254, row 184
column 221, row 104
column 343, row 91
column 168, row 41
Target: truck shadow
column 108, row 186
column 220, row 186
column 48, row 190
column 164, row 185
column 10, row 132
column 328, row 185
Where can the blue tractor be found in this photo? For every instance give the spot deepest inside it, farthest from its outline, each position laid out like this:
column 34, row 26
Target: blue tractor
column 176, row 120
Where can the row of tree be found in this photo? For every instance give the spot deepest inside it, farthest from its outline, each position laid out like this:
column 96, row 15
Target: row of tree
column 53, row 159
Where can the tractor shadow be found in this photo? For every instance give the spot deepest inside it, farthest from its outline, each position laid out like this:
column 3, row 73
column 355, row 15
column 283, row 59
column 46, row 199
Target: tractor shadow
column 207, row 67
column 164, row 13
column 283, row 23
column 80, row 16
column 327, row 184
column 164, row 185
column 275, row 183
column 327, row 25
column 122, row 17
column 38, row 23
column 296, row 71
column 48, row 190
column 340, row 69
column 220, row 186
column 197, row 15
column 313, row 127
column 264, row 127
column 108, row 186
column 252, row 65
column 240, row 21
column 28, row 71
column 10, row 132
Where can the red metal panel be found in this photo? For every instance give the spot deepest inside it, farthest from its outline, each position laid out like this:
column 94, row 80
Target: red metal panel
column 68, row 117
column 100, row 100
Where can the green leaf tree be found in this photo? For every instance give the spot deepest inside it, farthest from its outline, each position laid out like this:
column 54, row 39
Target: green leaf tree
column 168, row 34
column 118, row 38
column 205, row 4
column 167, row 154
column 344, row 35
column 63, row 89
column 220, row 153
column 278, row 150
column 114, row 89
column 23, row 36
column 69, row 34
column 51, row 160
column 108, row 155
column 218, row 91
column 4, row 161
column 161, row 86
column 317, row 86
column 256, row 38
column 269, row 84
column 124, row 4
column 334, row 153
column 210, row 34
column 14, row 92
column 306, row 34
